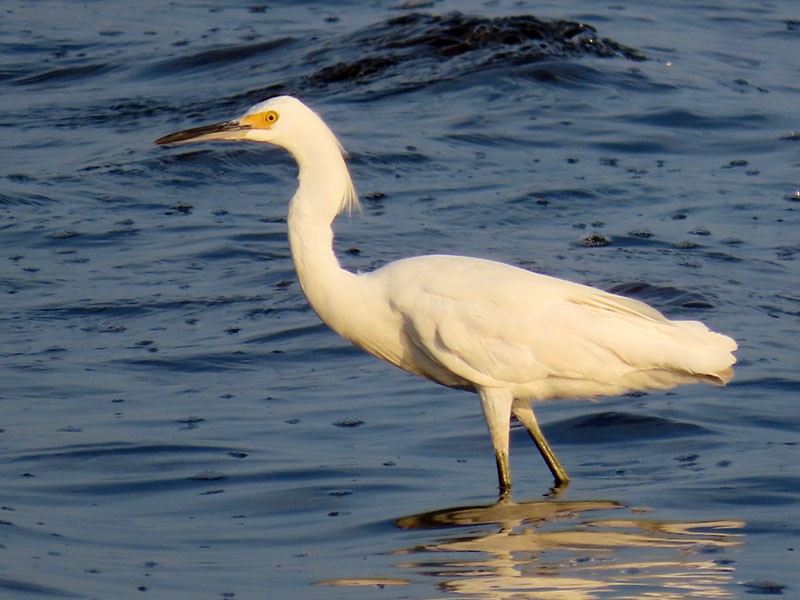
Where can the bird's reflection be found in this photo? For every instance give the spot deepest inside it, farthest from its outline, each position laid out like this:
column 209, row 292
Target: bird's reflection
column 504, row 513
column 569, row 550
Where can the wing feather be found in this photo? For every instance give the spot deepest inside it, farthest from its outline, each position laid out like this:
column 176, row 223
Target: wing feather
column 498, row 326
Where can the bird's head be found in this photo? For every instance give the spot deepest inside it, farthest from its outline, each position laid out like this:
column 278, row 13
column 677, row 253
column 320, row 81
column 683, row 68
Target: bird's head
column 286, row 122
column 275, row 121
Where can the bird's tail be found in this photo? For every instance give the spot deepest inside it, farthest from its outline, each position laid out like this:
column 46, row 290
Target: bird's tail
column 708, row 354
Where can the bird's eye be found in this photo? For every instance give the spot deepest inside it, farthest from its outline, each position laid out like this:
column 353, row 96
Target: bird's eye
column 270, row 117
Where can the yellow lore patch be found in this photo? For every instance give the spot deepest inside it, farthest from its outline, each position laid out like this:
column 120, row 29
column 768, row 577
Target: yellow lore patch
column 262, row 120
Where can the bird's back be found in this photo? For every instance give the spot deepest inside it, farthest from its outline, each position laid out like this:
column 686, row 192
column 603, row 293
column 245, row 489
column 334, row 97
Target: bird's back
column 467, row 322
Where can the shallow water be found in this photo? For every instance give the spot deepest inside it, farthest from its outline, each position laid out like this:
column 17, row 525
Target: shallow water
column 175, row 421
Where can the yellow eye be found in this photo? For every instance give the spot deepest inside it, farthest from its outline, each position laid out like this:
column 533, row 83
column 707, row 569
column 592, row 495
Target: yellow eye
column 262, row 120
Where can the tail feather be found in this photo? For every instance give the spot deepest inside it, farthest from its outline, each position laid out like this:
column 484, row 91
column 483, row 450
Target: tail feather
column 722, row 377
column 708, row 353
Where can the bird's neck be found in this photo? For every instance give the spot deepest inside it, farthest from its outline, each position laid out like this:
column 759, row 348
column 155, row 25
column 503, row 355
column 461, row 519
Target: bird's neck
column 323, row 184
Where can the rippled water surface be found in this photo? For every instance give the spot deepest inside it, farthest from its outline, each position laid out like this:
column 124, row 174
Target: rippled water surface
column 175, row 422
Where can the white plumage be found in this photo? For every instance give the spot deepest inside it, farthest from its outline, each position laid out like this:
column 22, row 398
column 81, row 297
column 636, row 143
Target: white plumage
column 510, row 335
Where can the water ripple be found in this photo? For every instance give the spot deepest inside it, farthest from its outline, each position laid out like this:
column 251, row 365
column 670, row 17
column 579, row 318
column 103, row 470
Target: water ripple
column 218, row 57
column 612, row 426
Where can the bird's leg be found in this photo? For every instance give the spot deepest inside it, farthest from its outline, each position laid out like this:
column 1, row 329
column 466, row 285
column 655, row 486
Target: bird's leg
column 524, row 413
column 496, row 405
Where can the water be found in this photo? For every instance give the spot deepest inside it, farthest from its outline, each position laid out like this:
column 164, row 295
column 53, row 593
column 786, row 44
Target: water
column 176, row 423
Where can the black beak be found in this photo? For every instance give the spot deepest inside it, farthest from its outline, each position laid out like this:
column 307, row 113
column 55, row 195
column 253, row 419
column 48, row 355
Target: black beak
column 217, row 131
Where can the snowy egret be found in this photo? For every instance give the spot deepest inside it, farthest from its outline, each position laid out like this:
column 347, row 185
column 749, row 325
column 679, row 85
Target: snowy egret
column 513, row 336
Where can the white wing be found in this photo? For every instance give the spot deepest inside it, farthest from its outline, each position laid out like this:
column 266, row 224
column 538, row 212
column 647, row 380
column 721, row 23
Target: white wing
column 494, row 325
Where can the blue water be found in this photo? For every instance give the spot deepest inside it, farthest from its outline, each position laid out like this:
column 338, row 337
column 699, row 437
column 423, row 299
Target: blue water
column 175, row 422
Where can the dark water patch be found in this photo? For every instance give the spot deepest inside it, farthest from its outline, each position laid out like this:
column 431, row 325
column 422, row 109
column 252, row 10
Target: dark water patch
column 724, row 257
column 359, row 70
column 70, row 238
column 789, row 423
column 576, row 75
column 124, row 113
column 524, row 38
column 293, row 333
column 785, row 303
column 679, row 118
column 66, row 75
column 615, row 426
column 764, row 587
column 24, row 198
column 295, row 354
column 629, row 146
column 20, row 178
column 233, row 165
column 763, row 491
column 574, row 195
column 106, row 451
column 418, row 49
column 129, row 308
column 394, row 160
column 787, row 252
column 104, row 328
column 13, row 286
column 776, row 384
column 225, row 57
column 348, row 423
column 483, row 140
column 663, row 296
column 197, row 362
column 295, row 485
column 594, row 240
column 24, row 589
column 234, row 252
column 144, row 485
column 127, row 110
column 641, row 238
column 9, row 74
column 262, row 236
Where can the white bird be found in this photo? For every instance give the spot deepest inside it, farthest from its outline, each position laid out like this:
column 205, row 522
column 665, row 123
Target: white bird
column 513, row 336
